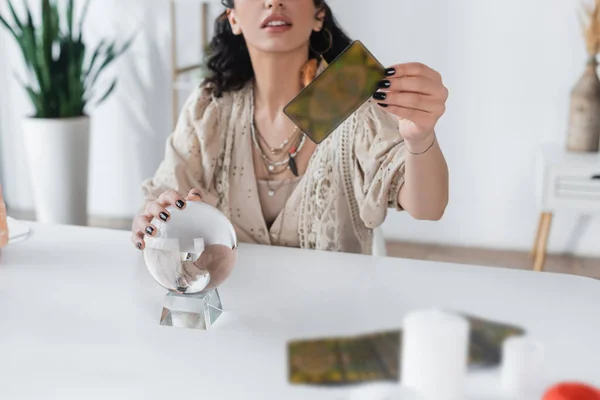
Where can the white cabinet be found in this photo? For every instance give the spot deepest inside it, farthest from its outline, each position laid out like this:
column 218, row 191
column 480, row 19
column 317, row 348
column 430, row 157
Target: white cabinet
column 566, row 180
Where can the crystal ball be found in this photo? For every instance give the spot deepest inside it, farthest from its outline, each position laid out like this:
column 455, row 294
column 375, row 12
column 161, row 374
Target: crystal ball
column 194, row 251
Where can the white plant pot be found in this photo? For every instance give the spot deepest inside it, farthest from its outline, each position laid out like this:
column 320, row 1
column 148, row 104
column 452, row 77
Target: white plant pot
column 58, row 156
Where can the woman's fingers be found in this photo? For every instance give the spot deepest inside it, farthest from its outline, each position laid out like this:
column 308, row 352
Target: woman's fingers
column 413, row 101
column 171, row 198
column 142, row 225
column 413, row 69
column 194, row 195
column 411, row 84
column 156, row 210
column 141, row 228
column 138, row 240
column 150, row 230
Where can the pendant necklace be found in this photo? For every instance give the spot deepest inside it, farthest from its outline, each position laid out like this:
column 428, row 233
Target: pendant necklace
column 292, row 153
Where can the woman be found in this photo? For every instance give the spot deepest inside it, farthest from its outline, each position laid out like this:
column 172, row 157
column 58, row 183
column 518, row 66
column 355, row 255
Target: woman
column 232, row 145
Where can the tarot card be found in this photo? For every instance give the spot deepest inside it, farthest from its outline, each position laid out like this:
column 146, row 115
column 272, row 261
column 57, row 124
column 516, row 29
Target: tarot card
column 387, row 347
column 337, row 92
column 315, row 362
column 486, row 339
column 345, row 360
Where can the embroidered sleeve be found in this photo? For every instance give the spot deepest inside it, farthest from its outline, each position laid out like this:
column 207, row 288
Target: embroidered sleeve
column 191, row 152
column 379, row 164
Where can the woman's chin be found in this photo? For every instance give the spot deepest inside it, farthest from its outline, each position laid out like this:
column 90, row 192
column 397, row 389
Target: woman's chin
column 279, row 46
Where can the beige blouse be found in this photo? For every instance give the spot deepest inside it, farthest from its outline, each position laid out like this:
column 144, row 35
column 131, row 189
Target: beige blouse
column 352, row 179
column 273, row 195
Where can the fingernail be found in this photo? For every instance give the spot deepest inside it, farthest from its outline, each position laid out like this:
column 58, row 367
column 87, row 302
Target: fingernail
column 384, row 84
column 379, row 96
column 382, row 105
column 197, row 194
column 139, row 245
column 179, row 203
column 149, row 230
column 164, row 216
column 390, row 71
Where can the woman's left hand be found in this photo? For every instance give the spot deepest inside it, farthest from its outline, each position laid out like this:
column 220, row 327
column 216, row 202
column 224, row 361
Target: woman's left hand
column 416, row 95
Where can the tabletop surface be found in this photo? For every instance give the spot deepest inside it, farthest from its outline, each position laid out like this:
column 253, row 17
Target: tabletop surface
column 79, row 318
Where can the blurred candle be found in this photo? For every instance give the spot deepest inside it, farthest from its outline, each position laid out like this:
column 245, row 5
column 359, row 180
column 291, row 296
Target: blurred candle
column 522, row 367
column 434, row 354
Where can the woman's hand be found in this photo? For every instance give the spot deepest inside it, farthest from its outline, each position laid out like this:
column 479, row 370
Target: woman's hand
column 142, row 226
column 416, row 95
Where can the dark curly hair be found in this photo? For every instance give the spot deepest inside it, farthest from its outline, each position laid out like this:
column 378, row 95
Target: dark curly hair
column 228, row 59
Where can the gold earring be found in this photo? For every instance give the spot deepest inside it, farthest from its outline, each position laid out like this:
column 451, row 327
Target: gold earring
column 329, row 40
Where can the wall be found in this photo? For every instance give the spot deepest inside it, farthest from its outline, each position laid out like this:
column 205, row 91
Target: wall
column 509, row 65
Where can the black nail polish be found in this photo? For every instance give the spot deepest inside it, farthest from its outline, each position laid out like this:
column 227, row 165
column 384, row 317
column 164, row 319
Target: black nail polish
column 382, row 105
column 139, row 245
column 179, row 203
column 149, row 230
column 164, row 216
column 384, row 84
column 379, row 96
column 390, row 71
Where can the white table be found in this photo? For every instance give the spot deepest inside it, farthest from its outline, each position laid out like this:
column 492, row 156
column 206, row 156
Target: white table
column 566, row 181
column 79, row 318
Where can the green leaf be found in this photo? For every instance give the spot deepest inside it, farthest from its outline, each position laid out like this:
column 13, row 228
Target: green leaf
column 15, row 16
column 108, row 92
column 70, row 18
column 47, row 40
column 25, row 42
column 94, row 58
column 54, row 21
column 63, row 102
column 127, row 44
column 29, row 37
column 109, row 57
column 86, row 6
column 10, row 29
column 36, row 100
column 43, row 68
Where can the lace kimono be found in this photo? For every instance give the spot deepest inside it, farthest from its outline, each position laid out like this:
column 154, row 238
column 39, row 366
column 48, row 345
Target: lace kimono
column 353, row 177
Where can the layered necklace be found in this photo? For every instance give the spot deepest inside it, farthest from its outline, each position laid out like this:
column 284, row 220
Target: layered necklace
column 277, row 159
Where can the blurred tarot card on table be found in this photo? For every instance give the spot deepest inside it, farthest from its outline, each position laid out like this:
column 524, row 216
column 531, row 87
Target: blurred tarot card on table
column 337, row 92
column 486, row 339
column 344, row 360
column 376, row 357
column 315, row 362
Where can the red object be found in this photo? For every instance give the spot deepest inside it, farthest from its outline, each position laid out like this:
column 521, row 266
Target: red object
column 572, row 391
column 3, row 222
column 293, row 150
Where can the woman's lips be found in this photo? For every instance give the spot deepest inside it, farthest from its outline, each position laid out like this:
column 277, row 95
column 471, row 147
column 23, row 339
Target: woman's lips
column 277, row 28
column 277, row 23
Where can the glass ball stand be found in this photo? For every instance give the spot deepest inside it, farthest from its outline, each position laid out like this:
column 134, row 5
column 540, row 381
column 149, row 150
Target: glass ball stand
column 191, row 255
column 193, row 311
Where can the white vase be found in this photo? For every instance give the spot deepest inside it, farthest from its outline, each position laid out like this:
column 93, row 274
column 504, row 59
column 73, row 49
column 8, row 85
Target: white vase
column 58, row 156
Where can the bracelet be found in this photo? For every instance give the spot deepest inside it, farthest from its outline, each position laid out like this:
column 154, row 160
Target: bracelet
column 425, row 151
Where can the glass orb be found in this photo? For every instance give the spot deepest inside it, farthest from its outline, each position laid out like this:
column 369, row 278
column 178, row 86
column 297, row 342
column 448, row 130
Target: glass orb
column 194, row 252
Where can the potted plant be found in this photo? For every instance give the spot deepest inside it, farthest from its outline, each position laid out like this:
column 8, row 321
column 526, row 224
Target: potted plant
column 62, row 85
